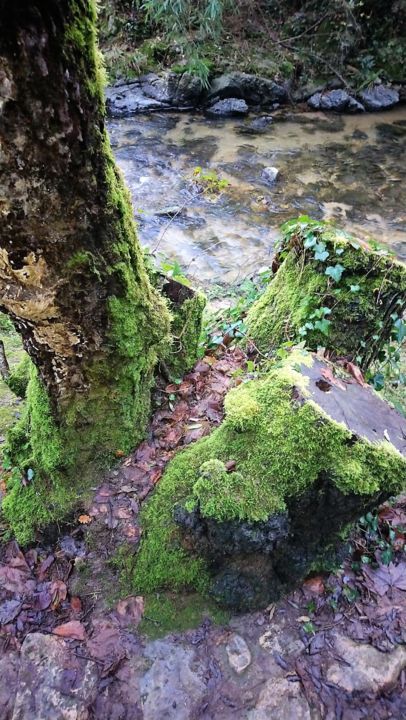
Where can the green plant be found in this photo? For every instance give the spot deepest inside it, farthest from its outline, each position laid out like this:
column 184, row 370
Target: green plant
column 209, row 182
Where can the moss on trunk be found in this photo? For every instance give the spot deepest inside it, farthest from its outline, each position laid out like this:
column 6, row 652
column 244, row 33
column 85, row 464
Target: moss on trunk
column 330, row 290
column 72, row 276
column 283, row 436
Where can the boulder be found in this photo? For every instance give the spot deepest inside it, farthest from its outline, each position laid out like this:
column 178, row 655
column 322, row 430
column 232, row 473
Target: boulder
column 53, row 682
column 254, row 89
column 178, row 90
column 166, row 91
column 125, row 100
column 335, row 100
column 379, row 97
column 330, row 290
column 246, row 512
column 365, row 669
column 231, row 107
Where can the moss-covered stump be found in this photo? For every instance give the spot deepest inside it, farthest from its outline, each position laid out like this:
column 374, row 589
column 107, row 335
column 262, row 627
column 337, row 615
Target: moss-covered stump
column 186, row 306
column 246, row 512
column 330, row 290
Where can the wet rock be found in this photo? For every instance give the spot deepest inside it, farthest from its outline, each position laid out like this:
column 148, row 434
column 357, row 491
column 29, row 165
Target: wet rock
column 129, row 100
column 257, row 127
column 53, row 682
column 281, row 699
column 170, row 211
column 359, row 135
column 254, row 89
column 181, row 91
column 166, row 91
column 173, row 687
column 238, row 654
column 270, row 174
column 231, row 107
column 379, row 97
column 335, row 100
column 364, row 668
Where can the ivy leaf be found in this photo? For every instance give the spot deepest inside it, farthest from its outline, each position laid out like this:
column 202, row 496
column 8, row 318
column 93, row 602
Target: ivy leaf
column 309, row 242
column 355, row 288
column 339, row 251
column 323, row 326
column 320, row 252
column 335, row 271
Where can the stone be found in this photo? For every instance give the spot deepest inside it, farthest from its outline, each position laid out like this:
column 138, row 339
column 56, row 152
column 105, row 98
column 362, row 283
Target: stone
column 178, row 90
column 282, row 639
column 335, row 100
column 164, row 91
column 270, row 174
column 282, row 700
column 365, row 669
column 170, row 211
column 173, row 687
column 129, row 99
column 53, row 683
column 238, row 654
column 231, row 107
column 9, row 666
column 254, row 89
column 379, row 97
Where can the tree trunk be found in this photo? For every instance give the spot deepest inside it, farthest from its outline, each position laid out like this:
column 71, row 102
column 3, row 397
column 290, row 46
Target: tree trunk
column 72, row 276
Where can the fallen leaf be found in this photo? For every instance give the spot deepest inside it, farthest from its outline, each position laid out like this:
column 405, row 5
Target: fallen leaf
column 73, row 630
column 58, row 591
column 314, row 585
column 9, row 611
column 44, row 567
column 130, row 610
column 355, row 372
column 76, row 604
column 84, row 519
column 386, row 577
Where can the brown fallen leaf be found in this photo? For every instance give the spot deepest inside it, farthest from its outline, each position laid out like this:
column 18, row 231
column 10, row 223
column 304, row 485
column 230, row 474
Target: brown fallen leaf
column 130, row 610
column 314, row 585
column 58, row 592
column 356, row 373
column 76, row 604
column 73, row 630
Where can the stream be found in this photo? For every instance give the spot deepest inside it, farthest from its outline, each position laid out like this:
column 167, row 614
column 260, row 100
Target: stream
column 350, row 169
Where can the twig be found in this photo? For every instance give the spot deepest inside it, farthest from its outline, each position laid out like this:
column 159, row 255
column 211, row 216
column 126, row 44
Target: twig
column 175, row 215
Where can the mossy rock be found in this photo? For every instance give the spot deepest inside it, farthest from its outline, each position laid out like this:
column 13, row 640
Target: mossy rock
column 329, row 290
column 246, row 511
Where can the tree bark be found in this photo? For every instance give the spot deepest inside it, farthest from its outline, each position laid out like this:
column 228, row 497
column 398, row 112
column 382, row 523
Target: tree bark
column 72, row 276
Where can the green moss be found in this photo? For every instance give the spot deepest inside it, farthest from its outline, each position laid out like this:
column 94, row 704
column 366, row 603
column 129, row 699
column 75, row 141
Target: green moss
column 350, row 315
column 186, row 330
column 282, row 449
column 168, row 612
column 19, row 376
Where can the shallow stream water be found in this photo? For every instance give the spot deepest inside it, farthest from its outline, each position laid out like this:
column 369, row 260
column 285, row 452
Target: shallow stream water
column 348, row 168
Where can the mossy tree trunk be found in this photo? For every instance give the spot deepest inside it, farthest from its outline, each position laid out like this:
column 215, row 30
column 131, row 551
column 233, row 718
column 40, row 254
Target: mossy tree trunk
column 72, row 276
